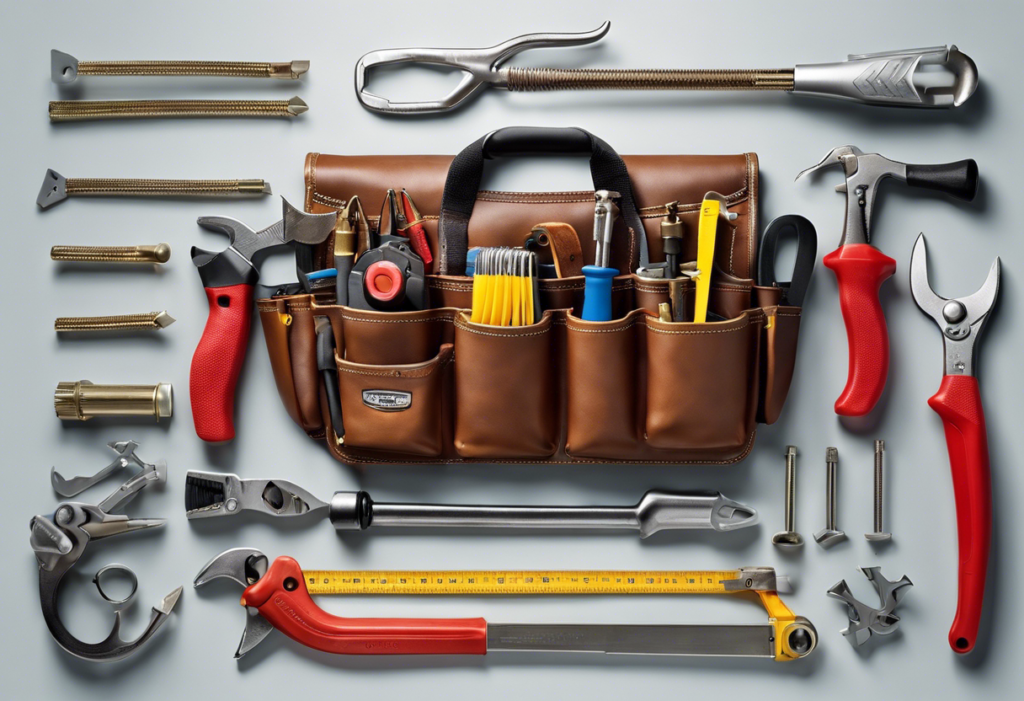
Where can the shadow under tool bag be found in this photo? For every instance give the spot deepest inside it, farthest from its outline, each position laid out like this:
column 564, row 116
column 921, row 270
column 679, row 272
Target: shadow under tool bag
column 428, row 385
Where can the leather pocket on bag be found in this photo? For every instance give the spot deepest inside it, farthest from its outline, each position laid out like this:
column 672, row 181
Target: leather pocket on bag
column 778, row 360
column 394, row 408
column 702, row 383
column 393, row 338
column 302, row 348
column 276, row 322
column 601, row 380
column 505, row 394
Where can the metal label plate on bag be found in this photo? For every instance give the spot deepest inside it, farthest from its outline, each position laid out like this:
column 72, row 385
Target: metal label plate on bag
column 387, row 400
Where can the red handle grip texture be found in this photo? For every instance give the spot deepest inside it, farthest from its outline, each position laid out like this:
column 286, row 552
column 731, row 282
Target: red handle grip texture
column 860, row 270
column 282, row 599
column 958, row 402
column 218, row 360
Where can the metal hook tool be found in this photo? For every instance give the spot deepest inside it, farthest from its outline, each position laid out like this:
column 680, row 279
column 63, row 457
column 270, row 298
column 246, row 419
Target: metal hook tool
column 125, row 457
column 59, row 541
column 930, row 77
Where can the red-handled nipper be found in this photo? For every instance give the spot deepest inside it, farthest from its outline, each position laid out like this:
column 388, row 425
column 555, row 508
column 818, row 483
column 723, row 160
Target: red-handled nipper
column 958, row 403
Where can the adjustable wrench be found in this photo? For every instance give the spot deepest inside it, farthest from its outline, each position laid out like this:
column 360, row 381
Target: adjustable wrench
column 861, row 268
column 229, row 278
column 958, row 403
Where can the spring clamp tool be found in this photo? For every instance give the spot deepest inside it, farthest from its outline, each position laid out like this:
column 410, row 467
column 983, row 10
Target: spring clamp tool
column 896, row 78
column 60, row 540
column 958, row 403
column 214, row 494
column 277, row 595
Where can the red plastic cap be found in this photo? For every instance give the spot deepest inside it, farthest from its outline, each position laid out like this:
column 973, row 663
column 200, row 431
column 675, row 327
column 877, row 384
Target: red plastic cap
column 383, row 281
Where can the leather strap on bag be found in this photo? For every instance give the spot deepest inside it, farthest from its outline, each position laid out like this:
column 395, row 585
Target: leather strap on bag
column 564, row 243
column 463, row 183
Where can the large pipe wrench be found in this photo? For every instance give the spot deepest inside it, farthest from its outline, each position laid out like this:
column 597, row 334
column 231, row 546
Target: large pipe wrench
column 958, row 403
column 277, row 597
column 861, row 268
column 229, row 278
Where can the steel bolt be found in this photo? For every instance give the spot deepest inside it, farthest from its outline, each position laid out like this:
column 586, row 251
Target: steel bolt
column 830, row 535
column 879, row 534
column 789, row 538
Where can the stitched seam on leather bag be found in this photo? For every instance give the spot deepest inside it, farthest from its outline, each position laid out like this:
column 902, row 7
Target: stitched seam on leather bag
column 416, row 373
column 328, row 201
column 580, row 329
column 541, row 332
column 576, row 461
column 695, row 332
column 659, row 210
column 440, row 317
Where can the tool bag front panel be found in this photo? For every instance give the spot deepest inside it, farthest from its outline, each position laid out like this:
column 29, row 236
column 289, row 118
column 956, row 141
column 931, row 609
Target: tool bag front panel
column 431, row 386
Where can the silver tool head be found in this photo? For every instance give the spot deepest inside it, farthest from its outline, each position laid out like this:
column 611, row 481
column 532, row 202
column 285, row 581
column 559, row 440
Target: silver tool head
column 212, row 494
column 479, row 66
column 661, row 511
column 723, row 206
column 126, row 457
column 865, row 620
column 890, row 593
column 243, row 565
column 961, row 319
column 53, row 190
column 827, row 537
column 932, row 77
column 63, row 67
column 863, row 172
column 302, row 227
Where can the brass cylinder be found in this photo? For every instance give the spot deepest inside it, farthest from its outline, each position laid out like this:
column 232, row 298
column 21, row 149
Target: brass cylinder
column 81, row 401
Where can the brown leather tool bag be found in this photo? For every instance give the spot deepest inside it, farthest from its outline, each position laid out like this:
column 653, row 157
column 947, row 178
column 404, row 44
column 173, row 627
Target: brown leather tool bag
column 633, row 390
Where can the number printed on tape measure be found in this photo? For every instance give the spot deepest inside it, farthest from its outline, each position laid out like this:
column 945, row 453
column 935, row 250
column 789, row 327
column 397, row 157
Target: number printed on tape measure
column 539, row 582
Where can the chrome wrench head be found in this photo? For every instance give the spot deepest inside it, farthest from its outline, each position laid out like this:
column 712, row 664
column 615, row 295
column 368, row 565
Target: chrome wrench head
column 961, row 320
column 865, row 620
column 212, row 494
column 125, row 457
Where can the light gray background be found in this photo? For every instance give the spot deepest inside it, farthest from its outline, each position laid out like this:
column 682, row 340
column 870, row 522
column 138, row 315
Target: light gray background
column 192, row 657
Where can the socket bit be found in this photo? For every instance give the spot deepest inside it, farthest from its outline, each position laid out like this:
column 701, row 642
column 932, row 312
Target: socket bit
column 124, row 322
column 81, row 401
column 159, row 253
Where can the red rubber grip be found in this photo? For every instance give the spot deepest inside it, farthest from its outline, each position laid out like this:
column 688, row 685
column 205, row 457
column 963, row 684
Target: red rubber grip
column 860, row 270
column 282, row 599
column 218, row 360
column 958, row 402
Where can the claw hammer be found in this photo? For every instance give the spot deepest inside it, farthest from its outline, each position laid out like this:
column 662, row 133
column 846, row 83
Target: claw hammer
column 860, row 268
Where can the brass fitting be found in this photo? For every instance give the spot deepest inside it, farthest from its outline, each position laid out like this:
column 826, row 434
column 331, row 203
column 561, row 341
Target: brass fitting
column 81, row 401
column 160, row 253
column 123, row 322
column 83, row 110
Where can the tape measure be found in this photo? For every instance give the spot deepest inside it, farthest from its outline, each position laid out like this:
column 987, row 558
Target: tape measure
column 519, row 582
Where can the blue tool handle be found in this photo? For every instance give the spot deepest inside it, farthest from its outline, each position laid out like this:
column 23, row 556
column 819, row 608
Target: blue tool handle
column 597, row 295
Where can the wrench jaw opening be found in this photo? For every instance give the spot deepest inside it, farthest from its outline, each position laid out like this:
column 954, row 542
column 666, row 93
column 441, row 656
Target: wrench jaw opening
column 246, row 566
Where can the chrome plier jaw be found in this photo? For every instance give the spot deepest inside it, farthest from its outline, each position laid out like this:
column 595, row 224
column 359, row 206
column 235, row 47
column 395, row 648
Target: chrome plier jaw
column 213, row 494
column 480, row 68
column 961, row 320
column 60, row 540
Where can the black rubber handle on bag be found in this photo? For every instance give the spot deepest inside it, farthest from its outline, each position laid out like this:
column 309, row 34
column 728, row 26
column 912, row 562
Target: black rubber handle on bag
column 463, row 182
column 959, row 180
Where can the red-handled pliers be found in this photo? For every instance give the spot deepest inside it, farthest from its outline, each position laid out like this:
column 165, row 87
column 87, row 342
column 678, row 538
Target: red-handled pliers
column 958, row 403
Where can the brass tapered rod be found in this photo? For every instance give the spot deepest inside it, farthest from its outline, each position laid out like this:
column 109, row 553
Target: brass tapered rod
column 159, row 253
column 210, row 69
column 82, row 110
column 122, row 322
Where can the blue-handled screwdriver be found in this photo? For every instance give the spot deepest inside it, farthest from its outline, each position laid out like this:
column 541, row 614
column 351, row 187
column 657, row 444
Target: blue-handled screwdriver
column 597, row 295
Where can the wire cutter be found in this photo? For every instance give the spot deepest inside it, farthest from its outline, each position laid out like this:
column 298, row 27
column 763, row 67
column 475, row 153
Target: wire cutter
column 958, row 403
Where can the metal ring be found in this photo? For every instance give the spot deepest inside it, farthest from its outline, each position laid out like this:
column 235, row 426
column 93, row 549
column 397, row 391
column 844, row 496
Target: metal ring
column 118, row 604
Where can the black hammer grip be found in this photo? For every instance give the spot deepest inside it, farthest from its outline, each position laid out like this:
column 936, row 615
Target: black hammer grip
column 959, row 179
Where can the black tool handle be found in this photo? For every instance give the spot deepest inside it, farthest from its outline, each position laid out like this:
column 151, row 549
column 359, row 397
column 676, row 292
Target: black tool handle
column 959, row 179
column 464, row 175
